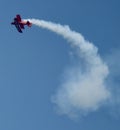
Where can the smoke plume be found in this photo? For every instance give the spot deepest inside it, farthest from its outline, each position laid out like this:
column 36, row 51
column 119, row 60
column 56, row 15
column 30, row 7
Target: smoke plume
column 81, row 91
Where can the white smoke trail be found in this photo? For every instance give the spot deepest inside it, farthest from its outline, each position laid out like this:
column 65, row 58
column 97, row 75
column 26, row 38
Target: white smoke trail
column 81, row 91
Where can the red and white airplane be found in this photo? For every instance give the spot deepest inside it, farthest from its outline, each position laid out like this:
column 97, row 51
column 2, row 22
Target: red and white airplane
column 19, row 23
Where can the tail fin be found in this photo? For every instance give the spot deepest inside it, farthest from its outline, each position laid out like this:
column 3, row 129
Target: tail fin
column 29, row 24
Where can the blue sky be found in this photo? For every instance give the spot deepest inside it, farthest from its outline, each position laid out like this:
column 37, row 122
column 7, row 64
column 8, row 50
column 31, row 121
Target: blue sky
column 32, row 64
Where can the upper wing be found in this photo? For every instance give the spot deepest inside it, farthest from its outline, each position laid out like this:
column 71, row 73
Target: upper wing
column 18, row 17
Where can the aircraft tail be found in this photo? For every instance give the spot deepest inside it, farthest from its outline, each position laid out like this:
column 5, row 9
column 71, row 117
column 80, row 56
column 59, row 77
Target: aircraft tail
column 29, row 24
